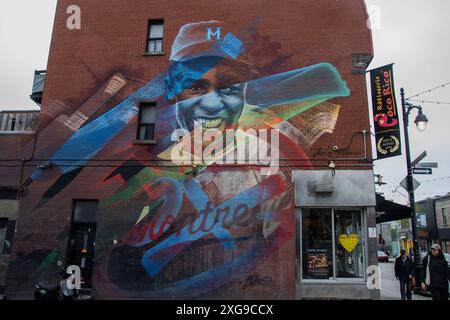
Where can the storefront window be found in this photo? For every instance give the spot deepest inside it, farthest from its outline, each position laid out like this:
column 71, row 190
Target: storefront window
column 349, row 248
column 317, row 244
column 332, row 244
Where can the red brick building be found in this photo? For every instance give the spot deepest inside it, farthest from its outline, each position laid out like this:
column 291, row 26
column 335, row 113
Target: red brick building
column 17, row 129
column 120, row 193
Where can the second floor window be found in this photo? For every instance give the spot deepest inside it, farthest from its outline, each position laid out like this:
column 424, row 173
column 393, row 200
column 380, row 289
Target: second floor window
column 147, row 117
column 444, row 216
column 155, row 36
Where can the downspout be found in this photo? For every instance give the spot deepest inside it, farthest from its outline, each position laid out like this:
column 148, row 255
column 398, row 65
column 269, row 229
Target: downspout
column 336, row 149
column 22, row 168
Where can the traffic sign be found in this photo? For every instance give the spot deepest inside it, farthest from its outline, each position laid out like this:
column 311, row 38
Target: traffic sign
column 404, row 183
column 422, row 171
column 418, row 159
column 427, row 165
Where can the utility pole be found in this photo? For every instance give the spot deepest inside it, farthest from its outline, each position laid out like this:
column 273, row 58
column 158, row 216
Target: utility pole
column 406, row 108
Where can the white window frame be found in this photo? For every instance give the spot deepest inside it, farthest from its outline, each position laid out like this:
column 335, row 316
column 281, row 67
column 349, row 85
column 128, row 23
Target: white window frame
column 155, row 40
column 444, row 216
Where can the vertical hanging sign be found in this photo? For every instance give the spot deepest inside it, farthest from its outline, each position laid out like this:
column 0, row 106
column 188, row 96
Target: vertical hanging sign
column 385, row 113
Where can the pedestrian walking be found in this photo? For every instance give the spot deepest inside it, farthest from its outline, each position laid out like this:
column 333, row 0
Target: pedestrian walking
column 435, row 273
column 404, row 272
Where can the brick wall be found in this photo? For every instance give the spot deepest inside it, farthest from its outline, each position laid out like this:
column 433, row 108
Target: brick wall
column 92, row 70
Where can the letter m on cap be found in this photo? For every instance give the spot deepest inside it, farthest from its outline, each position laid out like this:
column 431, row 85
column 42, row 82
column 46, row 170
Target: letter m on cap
column 210, row 34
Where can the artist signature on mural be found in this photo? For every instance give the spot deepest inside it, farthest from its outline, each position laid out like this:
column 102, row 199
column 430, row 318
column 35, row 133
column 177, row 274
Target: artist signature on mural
column 254, row 280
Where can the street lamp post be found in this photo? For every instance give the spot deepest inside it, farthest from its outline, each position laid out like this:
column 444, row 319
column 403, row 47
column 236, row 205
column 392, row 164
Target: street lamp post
column 421, row 122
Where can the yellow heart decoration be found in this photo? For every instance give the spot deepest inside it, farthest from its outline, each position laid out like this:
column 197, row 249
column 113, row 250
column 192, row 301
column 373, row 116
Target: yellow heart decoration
column 349, row 242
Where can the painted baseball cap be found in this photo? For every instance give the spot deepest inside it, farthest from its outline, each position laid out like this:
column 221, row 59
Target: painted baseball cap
column 200, row 47
column 205, row 38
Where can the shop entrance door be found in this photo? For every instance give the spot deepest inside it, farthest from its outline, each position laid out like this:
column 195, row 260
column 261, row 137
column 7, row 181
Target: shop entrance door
column 82, row 250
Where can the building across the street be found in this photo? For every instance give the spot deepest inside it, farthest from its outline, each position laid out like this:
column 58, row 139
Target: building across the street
column 432, row 227
column 393, row 226
column 385, row 237
column 197, row 150
column 442, row 216
column 426, row 224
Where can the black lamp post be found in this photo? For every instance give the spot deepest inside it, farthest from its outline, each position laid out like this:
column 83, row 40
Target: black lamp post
column 421, row 122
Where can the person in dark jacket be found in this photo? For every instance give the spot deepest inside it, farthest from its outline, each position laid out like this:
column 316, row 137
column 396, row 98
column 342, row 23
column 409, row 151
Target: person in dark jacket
column 439, row 273
column 404, row 272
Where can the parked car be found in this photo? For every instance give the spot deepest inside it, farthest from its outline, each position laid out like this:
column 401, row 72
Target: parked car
column 382, row 257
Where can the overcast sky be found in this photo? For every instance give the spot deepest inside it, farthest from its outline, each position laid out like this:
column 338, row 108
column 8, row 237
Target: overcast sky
column 413, row 34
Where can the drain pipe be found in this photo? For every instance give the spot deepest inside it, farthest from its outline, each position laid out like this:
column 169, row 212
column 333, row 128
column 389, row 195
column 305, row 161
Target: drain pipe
column 337, row 149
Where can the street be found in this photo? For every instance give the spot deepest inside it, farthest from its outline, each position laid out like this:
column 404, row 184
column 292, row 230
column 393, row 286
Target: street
column 390, row 288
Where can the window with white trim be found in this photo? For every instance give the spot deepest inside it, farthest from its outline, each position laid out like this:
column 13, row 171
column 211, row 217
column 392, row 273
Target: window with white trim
column 331, row 244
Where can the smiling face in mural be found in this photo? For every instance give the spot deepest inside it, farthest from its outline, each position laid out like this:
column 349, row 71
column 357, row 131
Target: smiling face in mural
column 210, row 103
column 215, row 101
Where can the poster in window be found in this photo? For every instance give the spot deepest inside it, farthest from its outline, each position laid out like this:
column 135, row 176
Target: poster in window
column 317, row 262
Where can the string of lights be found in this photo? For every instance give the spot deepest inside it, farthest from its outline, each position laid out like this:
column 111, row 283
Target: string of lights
column 435, row 179
column 424, row 181
column 430, row 90
column 426, row 101
column 388, row 187
column 432, row 193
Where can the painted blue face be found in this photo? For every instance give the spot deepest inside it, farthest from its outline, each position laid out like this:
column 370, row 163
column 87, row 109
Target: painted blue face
column 210, row 103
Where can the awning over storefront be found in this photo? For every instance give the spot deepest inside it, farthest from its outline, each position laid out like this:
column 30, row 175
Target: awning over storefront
column 390, row 211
